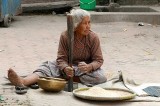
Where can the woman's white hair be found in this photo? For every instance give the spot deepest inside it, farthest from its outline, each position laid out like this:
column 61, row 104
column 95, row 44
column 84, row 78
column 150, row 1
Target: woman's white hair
column 79, row 14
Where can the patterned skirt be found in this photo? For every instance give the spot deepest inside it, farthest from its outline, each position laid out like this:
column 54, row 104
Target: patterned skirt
column 50, row 69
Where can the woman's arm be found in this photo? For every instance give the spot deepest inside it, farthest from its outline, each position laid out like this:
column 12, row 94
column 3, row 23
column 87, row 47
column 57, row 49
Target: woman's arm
column 96, row 53
column 62, row 58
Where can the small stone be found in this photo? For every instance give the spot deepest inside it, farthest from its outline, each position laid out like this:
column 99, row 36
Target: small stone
column 140, row 24
column 1, row 98
column 124, row 29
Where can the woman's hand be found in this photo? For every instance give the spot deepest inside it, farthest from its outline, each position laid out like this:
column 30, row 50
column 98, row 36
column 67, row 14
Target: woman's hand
column 69, row 71
column 84, row 67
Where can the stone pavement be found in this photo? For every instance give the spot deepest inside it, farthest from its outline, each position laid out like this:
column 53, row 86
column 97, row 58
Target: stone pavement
column 33, row 39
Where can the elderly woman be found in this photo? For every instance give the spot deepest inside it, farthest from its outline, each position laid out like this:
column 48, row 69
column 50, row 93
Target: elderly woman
column 87, row 57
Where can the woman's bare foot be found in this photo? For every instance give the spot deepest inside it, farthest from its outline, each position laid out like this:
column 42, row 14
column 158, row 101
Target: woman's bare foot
column 14, row 78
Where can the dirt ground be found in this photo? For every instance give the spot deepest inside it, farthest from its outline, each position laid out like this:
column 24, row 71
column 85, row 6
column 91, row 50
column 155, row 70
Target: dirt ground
column 33, row 39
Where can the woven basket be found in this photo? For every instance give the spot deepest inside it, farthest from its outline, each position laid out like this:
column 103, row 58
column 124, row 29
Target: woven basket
column 130, row 94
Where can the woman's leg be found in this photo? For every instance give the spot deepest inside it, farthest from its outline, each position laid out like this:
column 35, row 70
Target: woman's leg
column 19, row 81
column 94, row 78
column 47, row 69
column 30, row 79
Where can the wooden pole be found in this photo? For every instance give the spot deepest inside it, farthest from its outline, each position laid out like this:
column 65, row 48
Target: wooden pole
column 70, row 30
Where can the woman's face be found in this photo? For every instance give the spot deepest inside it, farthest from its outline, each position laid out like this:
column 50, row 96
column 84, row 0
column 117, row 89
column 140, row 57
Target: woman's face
column 84, row 27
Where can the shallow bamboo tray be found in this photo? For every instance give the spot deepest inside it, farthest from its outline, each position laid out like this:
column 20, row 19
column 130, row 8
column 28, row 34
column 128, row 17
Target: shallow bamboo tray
column 81, row 93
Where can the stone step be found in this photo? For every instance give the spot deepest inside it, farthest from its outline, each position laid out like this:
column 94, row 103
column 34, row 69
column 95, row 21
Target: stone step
column 41, row 1
column 49, row 5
